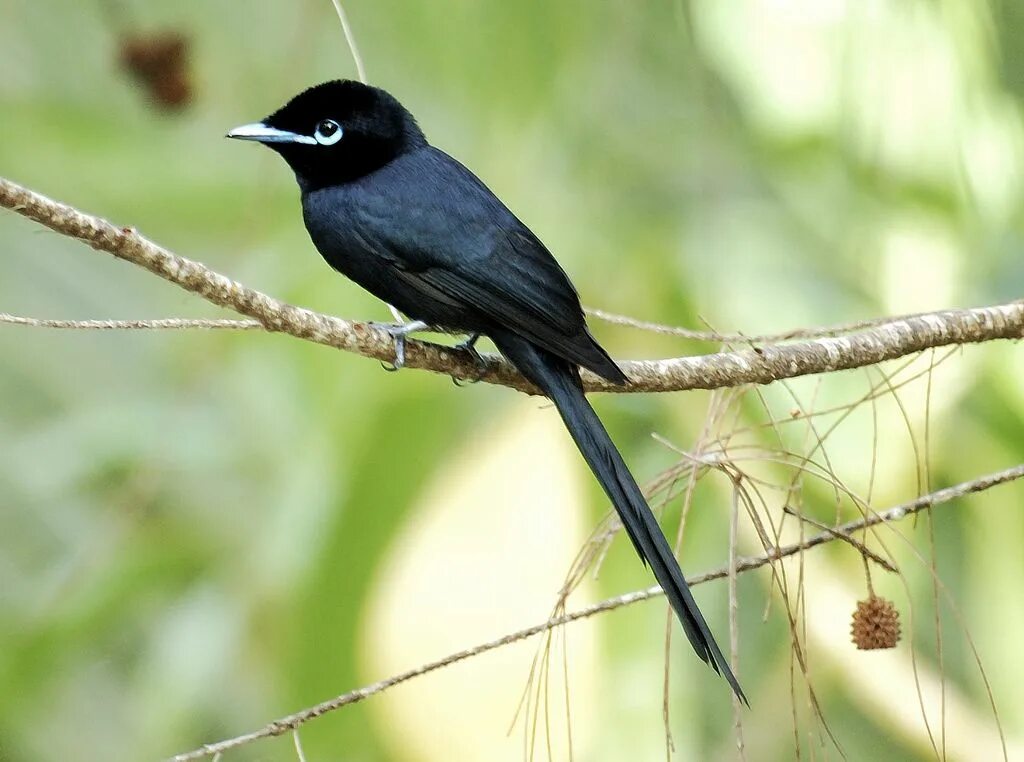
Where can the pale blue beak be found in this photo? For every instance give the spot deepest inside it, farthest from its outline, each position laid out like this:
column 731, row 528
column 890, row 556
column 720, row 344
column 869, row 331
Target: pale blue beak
column 263, row 133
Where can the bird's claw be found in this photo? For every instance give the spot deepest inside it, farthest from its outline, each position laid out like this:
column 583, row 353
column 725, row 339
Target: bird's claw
column 399, row 332
column 469, row 347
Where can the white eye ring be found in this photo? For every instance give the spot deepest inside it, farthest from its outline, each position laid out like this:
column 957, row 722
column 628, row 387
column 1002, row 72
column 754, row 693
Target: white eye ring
column 328, row 132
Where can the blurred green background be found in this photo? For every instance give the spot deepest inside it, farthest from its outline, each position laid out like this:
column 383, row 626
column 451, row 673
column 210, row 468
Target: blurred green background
column 202, row 531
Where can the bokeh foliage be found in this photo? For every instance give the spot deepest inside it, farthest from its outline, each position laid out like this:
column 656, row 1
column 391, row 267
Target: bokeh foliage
column 191, row 524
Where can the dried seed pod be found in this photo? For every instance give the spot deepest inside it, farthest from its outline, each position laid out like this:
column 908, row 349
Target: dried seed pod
column 159, row 62
column 876, row 624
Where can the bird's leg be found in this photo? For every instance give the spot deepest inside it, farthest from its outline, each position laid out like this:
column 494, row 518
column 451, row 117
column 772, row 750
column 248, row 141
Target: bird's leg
column 469, row 346
column 398, row 333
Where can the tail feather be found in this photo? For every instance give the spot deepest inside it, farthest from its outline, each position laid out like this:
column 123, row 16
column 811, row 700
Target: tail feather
column 560, row 381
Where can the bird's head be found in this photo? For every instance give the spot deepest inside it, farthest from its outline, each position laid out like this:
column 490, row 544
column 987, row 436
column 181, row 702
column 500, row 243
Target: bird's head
column 336, row 132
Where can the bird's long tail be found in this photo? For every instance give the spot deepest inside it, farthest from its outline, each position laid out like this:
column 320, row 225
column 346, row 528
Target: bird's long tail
column 560, row 381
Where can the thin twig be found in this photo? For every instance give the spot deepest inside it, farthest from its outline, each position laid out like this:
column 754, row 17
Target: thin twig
column 297, row 742
column 248, row 325
column 351, row 40
column 861, row 547
column 734, row 608
column 741, row 565
column 743, row 338
column 761, row 365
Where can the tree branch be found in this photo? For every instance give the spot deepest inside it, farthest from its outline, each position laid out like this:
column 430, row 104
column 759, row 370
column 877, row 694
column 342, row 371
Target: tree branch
column 293, row 721
column 759, row 365
column 156, row 324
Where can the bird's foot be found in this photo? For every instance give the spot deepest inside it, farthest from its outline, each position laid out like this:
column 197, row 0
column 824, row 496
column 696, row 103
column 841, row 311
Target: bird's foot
column 399, row 332
column 469, row 347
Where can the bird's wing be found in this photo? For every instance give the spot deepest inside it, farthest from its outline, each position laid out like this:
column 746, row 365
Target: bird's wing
column 496, row 266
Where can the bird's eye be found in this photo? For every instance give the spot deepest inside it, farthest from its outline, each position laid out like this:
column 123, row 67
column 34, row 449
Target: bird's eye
column 328, row 132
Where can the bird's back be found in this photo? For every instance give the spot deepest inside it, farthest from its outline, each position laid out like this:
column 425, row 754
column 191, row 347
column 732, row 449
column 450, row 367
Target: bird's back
column 425, row 234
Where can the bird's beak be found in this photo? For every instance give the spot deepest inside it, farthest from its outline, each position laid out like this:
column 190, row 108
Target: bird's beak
column 263, row 133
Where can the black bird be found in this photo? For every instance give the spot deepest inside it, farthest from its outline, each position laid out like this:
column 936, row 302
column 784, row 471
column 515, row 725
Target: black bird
column 414, row 227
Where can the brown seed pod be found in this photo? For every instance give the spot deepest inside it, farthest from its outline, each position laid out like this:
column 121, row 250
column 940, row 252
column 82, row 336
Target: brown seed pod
column 159, row 62
column 876, row 624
